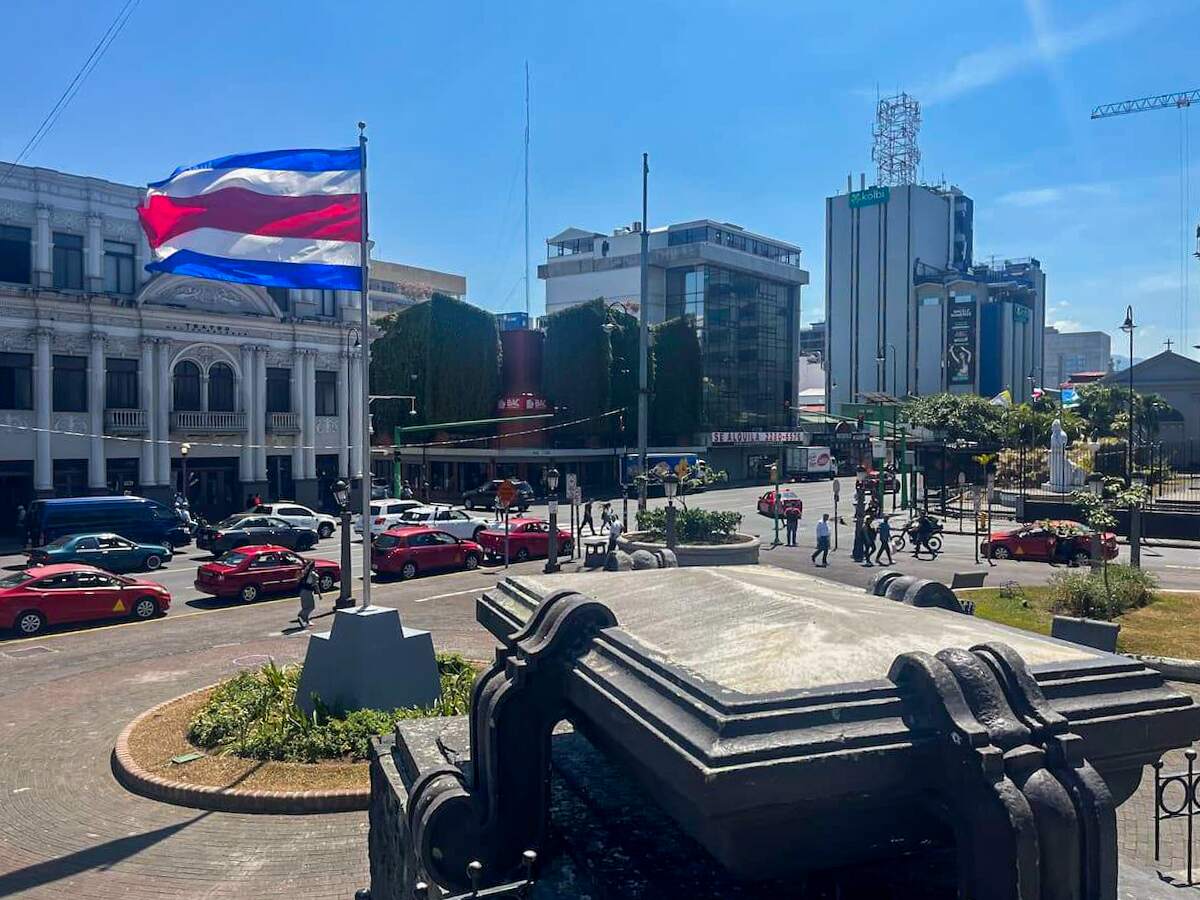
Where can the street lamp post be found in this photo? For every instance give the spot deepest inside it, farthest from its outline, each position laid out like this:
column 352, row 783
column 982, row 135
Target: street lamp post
column 670, row 483
column 860, row 486
column 643, row 408
column 1135, row 523
column 341, row 495
column 552, row 501
column 1127, row 326
column 184, row 450
column 775, row 502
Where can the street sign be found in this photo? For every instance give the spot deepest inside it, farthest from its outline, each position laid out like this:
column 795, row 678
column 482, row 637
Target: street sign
column 506, row 493
column 572, row 483
column 553, row 504
column 577, row 494
column 837, row 489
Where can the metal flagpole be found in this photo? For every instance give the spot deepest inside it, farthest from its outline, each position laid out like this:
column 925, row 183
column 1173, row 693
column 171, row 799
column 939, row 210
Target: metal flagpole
column 365, row 376
column 643, row 414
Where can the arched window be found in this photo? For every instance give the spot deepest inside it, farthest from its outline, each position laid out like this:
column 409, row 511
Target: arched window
column 187, row 385
column 220, row 388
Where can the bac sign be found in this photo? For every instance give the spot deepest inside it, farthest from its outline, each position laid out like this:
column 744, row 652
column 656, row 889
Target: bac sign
column 506, row 493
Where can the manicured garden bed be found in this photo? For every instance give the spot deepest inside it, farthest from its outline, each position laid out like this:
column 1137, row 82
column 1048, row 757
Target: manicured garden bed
column 1167, row 626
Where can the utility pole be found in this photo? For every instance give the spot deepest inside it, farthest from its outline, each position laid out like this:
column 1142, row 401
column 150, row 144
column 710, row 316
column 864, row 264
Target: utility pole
column 643, row 338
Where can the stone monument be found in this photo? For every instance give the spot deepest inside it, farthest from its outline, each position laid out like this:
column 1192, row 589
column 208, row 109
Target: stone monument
column 1065, row 476
column 369, row 660
column 757, row 727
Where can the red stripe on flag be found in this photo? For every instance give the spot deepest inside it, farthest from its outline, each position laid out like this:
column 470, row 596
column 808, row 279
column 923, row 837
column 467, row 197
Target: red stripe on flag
column 330, row 217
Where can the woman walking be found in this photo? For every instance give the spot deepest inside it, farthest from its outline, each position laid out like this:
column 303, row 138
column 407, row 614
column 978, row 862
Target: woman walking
column 310, row 590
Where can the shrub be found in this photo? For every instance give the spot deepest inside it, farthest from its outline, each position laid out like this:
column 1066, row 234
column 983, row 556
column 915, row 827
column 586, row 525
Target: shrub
column 1084, row 594
column 692, row 526
column 254, row 715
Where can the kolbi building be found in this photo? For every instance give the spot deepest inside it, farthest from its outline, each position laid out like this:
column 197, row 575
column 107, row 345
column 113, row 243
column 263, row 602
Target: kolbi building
column 106, row 374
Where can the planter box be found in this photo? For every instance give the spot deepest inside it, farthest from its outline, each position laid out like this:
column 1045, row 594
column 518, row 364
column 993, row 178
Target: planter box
column 1088, row 632
column 743, row 553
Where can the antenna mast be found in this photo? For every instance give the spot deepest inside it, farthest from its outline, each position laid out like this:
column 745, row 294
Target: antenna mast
column 895, row 153
column 526, row 188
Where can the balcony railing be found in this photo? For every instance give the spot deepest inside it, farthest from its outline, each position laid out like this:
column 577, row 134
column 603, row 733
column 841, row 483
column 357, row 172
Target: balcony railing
column 126, row 421
column 283, row 422
column 208, row 422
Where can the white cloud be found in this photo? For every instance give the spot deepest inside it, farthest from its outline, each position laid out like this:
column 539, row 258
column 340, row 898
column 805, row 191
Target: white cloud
column 1047, row 196
column 1068, row 325
column 994, row 64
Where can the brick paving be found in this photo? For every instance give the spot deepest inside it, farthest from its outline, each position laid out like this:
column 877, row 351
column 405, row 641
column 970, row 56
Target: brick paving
column 68, row 829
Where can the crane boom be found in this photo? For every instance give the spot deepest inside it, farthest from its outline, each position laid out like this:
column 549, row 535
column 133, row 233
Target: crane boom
column 1142, row 104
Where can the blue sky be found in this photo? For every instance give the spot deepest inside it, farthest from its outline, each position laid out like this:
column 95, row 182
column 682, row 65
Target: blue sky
column 752, row 112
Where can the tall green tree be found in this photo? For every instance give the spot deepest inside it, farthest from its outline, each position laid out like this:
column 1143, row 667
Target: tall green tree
column 959, row 416
column 445, row 352
column 676, row 410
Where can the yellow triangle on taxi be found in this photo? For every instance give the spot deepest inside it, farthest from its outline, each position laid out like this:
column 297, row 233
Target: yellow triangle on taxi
column 120, row 607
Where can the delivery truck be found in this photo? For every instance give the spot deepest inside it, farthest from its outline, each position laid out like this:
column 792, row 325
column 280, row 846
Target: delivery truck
column 808, row 463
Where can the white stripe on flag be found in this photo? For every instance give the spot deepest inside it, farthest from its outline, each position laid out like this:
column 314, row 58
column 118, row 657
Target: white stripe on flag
column 262, row 181
column 235, row 245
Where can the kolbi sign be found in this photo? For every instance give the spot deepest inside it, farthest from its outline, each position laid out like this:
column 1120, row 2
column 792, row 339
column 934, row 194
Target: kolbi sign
column 870, row 197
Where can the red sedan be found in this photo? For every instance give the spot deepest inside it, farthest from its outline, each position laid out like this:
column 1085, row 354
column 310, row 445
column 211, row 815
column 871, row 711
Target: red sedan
column 407, row 551
column 787, row 500
column 527, row 539
column 249, row 572
column 1037, row 540
column 39, row 596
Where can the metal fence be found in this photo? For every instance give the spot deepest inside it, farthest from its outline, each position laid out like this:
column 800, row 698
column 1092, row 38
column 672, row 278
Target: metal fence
column 1177, row 796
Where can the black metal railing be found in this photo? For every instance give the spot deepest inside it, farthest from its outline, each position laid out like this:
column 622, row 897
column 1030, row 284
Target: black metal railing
column 513, row 890
column 1181, row 804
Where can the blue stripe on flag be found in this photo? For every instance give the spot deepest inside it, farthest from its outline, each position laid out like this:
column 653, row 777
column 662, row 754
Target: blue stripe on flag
column 266, row 274
column 288, row 160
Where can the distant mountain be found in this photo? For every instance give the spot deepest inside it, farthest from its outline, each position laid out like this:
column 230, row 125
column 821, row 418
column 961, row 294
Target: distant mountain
column 1122, row 362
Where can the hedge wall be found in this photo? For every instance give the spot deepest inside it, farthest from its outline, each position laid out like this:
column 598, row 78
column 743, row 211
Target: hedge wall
column 675, row 409
column 576, row 365
column 453, row 349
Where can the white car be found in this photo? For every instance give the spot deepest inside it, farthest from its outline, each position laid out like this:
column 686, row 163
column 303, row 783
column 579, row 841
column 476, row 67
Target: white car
column 386, row 514
column 457, row 522
column 300, row 516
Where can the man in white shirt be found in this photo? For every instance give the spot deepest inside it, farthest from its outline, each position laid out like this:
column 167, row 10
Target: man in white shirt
column 822, row 532
column 614, row 531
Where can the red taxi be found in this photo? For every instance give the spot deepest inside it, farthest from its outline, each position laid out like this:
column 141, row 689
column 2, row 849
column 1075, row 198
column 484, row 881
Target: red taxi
column 407, row 551
column 33, row 598
column 1037, row 540
column 527, row 539
column 249, row 572
column 787, row 500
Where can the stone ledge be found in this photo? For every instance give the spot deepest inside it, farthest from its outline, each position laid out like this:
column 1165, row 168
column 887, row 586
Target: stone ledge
column 238, row 800
column 1186, row 670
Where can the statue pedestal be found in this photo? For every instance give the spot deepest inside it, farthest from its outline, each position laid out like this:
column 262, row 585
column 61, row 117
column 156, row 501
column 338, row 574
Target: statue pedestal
column 369, row 660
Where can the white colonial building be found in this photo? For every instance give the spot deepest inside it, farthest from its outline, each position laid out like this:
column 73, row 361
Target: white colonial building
column 108, row 375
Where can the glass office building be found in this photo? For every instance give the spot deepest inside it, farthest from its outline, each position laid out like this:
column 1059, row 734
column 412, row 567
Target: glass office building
column 747, row 326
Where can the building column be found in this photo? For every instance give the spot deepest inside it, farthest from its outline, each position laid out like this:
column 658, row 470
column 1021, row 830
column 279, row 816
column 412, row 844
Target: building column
column 147, row 475
column 141, row 257
column 343, row 406
column 43, row 465
column 97, row 475
column 297, row 406
column 162, row 449
column 93, row 254
column 43, row 275
column 259, row 423
column 356, row 435
column 246, row 389
column 310, row 413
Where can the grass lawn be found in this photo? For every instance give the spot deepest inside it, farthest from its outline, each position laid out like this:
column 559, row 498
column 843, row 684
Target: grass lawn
column 1170, row 626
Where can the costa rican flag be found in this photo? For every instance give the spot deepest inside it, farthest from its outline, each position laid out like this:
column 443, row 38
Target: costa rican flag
column 282, row 218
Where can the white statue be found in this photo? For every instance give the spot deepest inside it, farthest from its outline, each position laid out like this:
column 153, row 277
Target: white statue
column 1065, row 476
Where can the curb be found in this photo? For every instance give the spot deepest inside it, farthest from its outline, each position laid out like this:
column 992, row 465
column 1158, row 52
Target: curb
column 1187, row 670
column 220, row 799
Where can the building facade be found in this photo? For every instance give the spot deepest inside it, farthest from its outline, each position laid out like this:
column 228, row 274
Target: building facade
column 395, row 286
column 1175, row 378
column 1070, row 352
column 908, row 312
column 742, row 291
column 107, row 375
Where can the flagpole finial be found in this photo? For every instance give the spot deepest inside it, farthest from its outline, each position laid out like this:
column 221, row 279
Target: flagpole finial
column 362, row 126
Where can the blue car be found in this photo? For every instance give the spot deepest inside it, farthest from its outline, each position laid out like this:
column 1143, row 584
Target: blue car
column 106, row 551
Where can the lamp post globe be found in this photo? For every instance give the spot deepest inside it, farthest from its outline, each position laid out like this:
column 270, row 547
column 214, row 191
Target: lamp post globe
column 341, row 493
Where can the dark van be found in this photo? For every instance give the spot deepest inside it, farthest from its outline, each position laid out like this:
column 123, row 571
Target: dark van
column 135, row 518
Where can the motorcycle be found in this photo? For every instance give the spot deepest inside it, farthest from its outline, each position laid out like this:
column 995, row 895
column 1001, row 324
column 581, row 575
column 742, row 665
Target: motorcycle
column 909, row 533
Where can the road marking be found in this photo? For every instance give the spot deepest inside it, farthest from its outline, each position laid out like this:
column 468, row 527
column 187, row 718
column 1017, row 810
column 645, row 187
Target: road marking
column 1189, row 568
column 443, row 596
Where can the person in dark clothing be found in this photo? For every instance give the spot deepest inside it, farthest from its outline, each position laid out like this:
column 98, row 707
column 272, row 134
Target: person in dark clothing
column 922, row 533
column 791, row 517
column 885, row 541
column 868, row 537
column 587, row 522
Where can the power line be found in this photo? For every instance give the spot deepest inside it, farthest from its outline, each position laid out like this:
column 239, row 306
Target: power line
column 115, row 27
